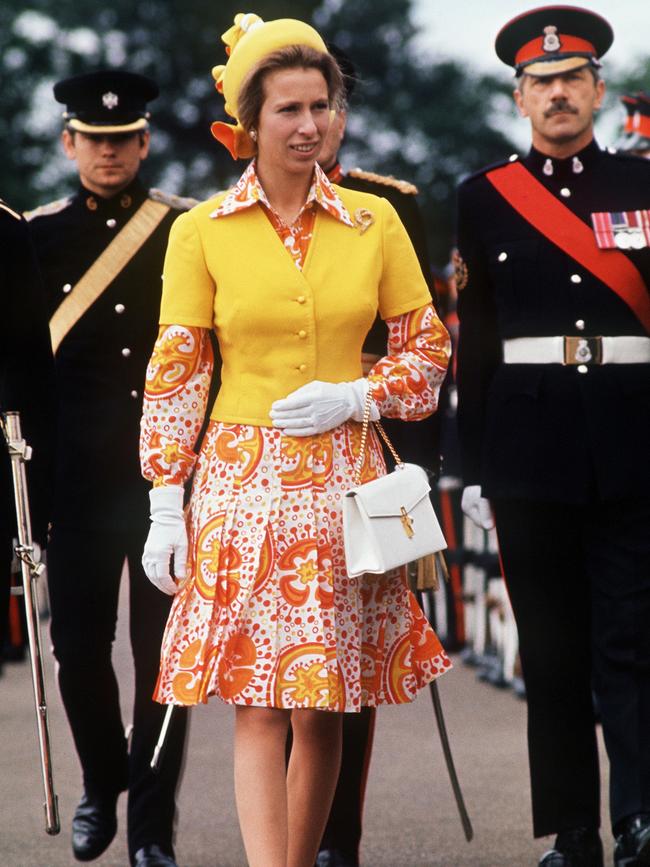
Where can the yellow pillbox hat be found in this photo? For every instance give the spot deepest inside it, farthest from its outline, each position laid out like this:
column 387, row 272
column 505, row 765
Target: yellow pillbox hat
column 248, row 41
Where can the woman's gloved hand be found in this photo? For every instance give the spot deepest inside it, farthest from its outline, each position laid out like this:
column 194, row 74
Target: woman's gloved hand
column 320, row 406
column 477, row 508
column 167, row 536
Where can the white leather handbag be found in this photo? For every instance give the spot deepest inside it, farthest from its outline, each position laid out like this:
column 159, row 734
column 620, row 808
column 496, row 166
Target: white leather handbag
column 390, row 521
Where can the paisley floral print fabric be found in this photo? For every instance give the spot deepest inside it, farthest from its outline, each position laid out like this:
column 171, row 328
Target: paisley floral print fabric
column 268, row 615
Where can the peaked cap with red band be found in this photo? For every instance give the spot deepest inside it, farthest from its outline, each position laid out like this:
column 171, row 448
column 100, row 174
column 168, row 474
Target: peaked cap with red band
column 630, row 105
column 637, row 124
column 552, row 40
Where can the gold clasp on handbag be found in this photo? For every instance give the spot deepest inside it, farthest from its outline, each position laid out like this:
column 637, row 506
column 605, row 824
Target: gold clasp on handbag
column 407, row 523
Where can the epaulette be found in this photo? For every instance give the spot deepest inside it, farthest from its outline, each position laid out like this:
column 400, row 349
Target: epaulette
column 485, row 169
column 178, row 203
column 387, row 180
column 49, row 209
column 5, row 207
column 627, row 156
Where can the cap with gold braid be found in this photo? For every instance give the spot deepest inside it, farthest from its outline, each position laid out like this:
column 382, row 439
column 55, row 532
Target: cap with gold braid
column 552, row 40
column 106, row 102
column 248, row 41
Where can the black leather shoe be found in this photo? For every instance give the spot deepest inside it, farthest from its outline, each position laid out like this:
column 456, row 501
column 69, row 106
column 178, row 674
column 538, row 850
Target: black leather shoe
column 633, row 842
column 580, row 847
column 153, row 856
column 335, row 858
column 93, row 826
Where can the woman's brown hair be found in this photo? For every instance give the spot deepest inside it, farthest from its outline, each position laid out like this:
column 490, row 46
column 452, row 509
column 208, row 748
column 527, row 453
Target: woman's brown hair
column 251, row 95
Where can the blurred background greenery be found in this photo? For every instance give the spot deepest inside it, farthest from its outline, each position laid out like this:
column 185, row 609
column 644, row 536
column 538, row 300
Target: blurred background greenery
column 425, row 121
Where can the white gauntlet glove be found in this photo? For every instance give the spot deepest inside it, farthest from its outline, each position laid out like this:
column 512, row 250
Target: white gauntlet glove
column 167, row 536
column 477, row 508
column 320, row 406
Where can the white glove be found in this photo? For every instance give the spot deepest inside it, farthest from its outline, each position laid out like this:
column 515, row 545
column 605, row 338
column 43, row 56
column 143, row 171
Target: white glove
column 167, row 536
column 320, row 406
column 477, row 508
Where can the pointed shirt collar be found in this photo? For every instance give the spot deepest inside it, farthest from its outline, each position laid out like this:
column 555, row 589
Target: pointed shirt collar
column 248, row 191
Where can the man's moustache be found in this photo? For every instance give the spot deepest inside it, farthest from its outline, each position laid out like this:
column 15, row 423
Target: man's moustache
column 560, row 108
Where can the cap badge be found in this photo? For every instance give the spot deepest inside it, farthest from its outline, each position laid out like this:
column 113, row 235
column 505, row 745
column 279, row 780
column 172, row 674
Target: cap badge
column 110, row 100
column 551, row 39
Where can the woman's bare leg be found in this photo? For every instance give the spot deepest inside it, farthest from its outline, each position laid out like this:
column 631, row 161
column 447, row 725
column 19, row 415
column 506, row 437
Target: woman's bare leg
column 311, row 781
column 260, row 783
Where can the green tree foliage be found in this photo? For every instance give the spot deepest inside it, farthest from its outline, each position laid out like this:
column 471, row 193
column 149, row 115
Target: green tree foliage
column 631, row 80
column 426, row 122
column 176, row 42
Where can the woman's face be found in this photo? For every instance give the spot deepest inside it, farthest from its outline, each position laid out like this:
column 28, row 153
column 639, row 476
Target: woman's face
column 293, row 120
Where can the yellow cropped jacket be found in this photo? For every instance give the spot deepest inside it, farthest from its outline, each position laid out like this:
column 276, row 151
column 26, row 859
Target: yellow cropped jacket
column 278, row 327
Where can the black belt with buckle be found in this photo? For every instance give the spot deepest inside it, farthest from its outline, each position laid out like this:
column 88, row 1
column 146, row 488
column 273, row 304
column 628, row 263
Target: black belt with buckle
column 583, row 350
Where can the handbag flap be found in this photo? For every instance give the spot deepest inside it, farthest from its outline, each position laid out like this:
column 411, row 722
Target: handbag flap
column 385, row 496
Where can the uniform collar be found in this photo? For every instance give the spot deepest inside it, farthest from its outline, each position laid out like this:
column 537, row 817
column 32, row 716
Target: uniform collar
column 579, row 163
column 122, row 204
column 248, row 191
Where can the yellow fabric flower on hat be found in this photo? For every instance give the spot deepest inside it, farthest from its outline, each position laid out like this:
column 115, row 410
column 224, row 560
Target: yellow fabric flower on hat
column 247, row 42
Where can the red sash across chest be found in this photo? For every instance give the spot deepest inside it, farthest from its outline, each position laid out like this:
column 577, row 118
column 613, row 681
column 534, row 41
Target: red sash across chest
column 539, row 207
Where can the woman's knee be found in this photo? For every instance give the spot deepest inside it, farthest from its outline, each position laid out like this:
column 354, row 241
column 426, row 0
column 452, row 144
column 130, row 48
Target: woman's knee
column 261, row 721
column 308, row 724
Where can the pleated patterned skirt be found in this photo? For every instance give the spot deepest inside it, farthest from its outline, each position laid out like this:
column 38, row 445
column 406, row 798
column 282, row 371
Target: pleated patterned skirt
column 267, row 615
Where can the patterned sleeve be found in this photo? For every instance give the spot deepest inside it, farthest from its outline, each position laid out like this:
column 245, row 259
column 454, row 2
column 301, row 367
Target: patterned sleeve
column 405, row 383
column 175, row 399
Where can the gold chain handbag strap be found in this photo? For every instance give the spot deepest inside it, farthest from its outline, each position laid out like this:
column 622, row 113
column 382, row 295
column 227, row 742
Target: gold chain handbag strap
column 364, row 437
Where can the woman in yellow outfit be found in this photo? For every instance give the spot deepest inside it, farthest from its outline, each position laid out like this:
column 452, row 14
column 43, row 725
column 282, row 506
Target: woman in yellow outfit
column 289, row 271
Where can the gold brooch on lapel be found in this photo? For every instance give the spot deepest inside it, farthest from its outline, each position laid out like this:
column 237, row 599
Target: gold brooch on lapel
column 363, row 218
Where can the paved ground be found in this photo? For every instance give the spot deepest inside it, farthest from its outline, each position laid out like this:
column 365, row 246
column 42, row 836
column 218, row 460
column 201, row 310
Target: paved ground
column 410, row 821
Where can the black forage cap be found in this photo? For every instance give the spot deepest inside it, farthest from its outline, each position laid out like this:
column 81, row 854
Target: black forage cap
column 106, row 101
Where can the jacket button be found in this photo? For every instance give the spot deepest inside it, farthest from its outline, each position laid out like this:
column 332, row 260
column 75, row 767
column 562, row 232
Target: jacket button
column 302, row 368
column 67, row 287
column 120, row 308
column 576, row 278
column 302, row 334
column 565, row 192
column 580, row 324
column 301, row 299
column 126, row 352
column 111, row 223
column 582, row 368
column 134, row 394
column 503, row 256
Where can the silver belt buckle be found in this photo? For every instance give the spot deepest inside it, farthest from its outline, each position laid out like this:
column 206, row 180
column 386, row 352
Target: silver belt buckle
column 583, row 350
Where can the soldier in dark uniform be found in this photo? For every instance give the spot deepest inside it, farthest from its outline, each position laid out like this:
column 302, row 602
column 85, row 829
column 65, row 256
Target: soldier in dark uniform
column 554, row 412
column 101, row 253
column 636, row 131
column 26, row 386
column 418, row 443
